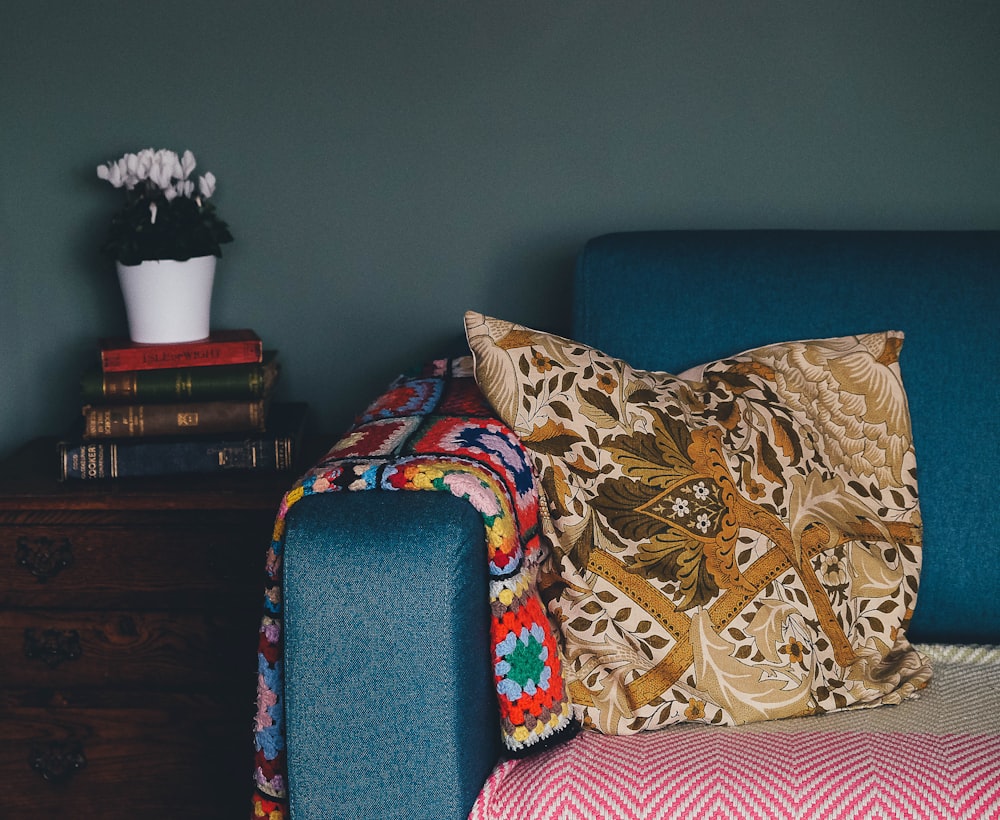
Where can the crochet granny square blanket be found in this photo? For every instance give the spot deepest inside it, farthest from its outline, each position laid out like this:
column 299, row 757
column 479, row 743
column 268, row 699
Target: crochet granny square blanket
column 434, row 431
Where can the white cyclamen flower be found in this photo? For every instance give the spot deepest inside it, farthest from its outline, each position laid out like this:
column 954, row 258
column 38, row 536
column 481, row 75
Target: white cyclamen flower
column 128, row 180
column 165, row 168
column 112, row 173
column 187, row 164
column 172, row 163
column 144, row 161
column 206, row 185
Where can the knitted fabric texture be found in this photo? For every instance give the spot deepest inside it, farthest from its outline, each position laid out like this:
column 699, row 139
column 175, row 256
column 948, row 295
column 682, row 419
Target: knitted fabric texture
column 434, row 431
column 933, row 757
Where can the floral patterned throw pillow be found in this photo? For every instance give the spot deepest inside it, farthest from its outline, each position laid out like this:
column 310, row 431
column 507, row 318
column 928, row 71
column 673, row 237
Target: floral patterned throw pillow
column 737, row 543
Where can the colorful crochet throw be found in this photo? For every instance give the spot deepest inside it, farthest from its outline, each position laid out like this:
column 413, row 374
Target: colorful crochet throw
column 434, row 431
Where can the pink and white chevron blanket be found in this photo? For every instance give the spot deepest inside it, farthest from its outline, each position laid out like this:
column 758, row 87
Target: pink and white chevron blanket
column 936, row 758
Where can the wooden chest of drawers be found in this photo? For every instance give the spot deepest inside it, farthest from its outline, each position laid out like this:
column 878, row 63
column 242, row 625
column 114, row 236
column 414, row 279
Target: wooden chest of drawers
column 128, row 627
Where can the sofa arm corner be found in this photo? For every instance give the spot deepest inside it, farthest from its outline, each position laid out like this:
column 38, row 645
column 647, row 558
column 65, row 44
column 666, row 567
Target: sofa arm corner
column 389, row 700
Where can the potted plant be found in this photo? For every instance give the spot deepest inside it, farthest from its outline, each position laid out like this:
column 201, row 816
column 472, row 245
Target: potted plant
column 164, row 241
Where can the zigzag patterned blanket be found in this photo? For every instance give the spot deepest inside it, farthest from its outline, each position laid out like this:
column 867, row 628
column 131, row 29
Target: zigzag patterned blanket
column 434, row 431
column 936, row 757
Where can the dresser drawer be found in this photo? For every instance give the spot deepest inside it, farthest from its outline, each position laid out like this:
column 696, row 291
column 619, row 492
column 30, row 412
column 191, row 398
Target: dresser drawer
column 155, row 566
column 182, row 757
column 129, row 618
column 164, row 650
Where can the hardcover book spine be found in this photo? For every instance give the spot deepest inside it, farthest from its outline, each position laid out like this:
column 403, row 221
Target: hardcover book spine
column 189, row 354
column 107, row 459
column 193, row 418
column 188, row 384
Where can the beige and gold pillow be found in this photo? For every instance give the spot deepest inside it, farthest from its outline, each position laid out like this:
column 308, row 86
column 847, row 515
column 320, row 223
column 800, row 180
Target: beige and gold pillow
column 737, row 543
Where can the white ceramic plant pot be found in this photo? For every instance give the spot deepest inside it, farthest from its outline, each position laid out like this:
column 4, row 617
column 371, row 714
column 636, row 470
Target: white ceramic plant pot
column 167, row 301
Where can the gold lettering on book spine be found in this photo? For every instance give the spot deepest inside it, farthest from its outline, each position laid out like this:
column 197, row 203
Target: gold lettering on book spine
column 187, row 419
column 119, row 385
column 93, row 462
column 99, row 423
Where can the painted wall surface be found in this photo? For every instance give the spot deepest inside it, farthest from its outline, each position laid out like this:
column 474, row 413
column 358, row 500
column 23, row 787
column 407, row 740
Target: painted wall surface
column 387, row 165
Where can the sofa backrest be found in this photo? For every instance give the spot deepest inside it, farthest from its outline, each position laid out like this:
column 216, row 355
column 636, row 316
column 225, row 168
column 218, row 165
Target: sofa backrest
column 667, row 300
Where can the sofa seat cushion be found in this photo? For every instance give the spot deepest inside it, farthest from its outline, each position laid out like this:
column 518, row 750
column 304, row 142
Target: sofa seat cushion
column 935, row 757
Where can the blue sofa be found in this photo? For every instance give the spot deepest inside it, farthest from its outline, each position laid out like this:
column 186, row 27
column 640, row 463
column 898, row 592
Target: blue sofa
column 389, row 714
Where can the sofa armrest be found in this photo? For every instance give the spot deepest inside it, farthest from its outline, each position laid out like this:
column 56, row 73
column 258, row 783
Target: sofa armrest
column 389, row 701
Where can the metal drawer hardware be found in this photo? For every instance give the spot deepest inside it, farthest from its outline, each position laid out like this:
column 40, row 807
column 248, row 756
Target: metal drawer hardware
column 58, row 760
column 44, row 558
column 53, row 646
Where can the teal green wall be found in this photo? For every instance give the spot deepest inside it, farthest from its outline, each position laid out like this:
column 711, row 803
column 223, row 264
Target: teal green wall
column 387, row 165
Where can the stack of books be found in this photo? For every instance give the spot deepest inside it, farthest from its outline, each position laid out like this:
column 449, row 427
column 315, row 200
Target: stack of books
column 191, row 407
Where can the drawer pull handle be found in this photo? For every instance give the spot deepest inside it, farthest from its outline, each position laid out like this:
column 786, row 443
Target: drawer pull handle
column 44, row 559
column 53, row 646
column 58, row 761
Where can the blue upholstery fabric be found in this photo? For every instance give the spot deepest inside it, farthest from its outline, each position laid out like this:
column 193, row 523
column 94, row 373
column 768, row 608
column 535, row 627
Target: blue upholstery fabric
column 389, row 703
column 389, row 706
column 669, row 300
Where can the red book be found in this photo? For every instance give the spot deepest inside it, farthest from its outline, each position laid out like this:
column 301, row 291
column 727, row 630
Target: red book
column 221, row 347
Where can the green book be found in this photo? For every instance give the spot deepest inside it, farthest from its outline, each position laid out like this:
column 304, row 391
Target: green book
column 184, row 384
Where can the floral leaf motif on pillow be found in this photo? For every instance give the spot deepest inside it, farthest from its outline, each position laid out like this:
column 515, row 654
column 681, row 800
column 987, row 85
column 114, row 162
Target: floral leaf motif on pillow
column 739, row 688
column 735, row 543
column 675, row 514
